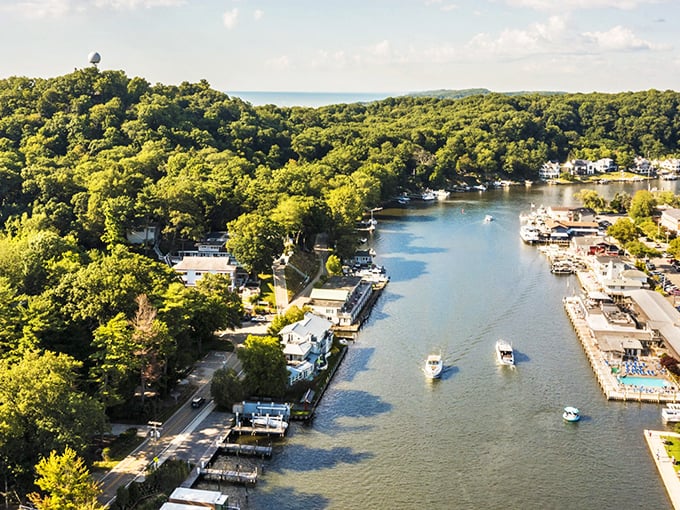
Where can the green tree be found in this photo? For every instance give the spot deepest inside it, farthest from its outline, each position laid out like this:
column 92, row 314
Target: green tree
column 591, row 199
column 66, row 482
column 264, row 364
column 674, row 248
column 226, row 388
column 43, row 409
column 293, row 314
column 334, row 265
column 642, row 205
column 624, row 231
column 621, row 202
column 255, row 241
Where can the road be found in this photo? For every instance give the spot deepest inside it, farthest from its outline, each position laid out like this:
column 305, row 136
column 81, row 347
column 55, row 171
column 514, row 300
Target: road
column 173, row 433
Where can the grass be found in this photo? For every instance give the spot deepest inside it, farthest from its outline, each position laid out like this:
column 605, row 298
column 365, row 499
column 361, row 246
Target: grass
column 117, row 448
column 672, row 446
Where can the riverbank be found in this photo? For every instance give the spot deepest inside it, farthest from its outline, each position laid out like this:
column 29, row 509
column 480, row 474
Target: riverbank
column 664, row 464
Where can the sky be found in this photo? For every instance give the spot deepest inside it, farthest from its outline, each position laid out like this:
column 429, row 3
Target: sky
column 381, row 46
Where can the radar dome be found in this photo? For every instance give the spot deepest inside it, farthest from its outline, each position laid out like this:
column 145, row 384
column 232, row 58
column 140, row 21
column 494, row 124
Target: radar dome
column 94, row 58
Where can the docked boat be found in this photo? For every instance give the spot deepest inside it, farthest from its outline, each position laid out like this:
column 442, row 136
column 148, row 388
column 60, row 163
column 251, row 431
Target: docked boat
column 504, row 353
column 530, row 234
column 488, row 218
column 442, row 194
column 433, row 366
column 272, row 422
column 571, row 414
column 428, row 195
column 670, row 413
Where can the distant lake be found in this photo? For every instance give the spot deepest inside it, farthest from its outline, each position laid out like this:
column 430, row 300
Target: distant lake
column 311, row 99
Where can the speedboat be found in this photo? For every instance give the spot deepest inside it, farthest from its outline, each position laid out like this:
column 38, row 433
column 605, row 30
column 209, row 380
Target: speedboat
column 504, row 353
column 670, row 413
column 488, row 218
column 433, row 366
column 571, row 414
column 272, row 422
column 427, row 195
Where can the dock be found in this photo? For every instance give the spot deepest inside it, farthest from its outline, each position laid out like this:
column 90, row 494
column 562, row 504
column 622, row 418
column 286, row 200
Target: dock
column 611, row 387
column 231, row 476
column 352, row 330
column 246, row 449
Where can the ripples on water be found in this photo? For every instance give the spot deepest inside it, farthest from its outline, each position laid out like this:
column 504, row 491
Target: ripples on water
column 484, row 436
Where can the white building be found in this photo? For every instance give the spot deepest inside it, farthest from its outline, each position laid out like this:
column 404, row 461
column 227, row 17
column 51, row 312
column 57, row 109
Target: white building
column 670, row 220
column 341, row 299
column 192, row 269
column 549, row 170
column 604, row 165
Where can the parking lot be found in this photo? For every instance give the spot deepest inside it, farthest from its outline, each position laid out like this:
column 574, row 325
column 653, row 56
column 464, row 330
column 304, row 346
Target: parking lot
column 666, row 272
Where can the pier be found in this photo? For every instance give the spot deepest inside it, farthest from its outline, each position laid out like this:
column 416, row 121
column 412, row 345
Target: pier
column 231, row 476
column 611, row 387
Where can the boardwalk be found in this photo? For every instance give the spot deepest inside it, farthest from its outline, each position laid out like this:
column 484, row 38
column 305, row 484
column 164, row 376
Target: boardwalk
column 664, row 464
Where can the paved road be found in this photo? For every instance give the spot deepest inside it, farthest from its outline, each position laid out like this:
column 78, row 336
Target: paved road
column 174, row 432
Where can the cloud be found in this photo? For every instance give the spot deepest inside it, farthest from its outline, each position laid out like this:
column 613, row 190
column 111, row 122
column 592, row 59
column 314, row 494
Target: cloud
column 59, row 8
column 229, row 18
column 570, row 5
column 280, row 63
column 620, row 38
column 257, row 15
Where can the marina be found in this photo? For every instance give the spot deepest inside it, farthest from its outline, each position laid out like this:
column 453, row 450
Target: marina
column 347, row 458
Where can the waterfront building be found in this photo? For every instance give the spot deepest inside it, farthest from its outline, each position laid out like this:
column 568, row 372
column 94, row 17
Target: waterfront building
column 615, row 277
column 670, row 219
column 659, row 316
column 191, row 269
column 306, row 343
column 341, row 299
column 549, row 170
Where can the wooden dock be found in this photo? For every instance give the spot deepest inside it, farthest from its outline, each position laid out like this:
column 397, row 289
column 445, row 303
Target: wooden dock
column 611, row 387
column 246, row 449
column 231, row 476
column 255, row 431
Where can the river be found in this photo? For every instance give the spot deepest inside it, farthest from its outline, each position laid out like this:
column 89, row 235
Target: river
column 483, row 436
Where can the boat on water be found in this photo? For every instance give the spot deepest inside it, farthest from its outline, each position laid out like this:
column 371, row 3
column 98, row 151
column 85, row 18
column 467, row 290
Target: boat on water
column 504, row 353
column 442, row 194
column 571, row 414
column 272, row 422
column 428, row 195
column 488, row 218
column 670, row 413
column 433, row 366
column 530, row 234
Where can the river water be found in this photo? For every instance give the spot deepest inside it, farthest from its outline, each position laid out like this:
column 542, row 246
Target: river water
column 483, row 436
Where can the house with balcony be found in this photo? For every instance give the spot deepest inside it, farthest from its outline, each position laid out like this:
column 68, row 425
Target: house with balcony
column 192, row 268
column 549, row 170
column 341, row 299
column 306, row 344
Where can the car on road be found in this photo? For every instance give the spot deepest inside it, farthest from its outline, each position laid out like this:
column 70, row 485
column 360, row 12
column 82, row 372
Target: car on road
column 197, row 402
column 259, row 318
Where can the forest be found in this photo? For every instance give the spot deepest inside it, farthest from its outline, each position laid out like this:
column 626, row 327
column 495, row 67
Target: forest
column 86, row 318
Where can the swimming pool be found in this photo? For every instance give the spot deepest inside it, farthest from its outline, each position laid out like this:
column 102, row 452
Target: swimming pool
column 631, row 380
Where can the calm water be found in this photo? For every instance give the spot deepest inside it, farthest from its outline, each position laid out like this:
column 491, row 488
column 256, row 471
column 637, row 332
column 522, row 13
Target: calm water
column 484, row 436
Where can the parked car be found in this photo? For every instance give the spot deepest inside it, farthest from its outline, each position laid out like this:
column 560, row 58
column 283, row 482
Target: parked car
column 650, row 266
column 197, row 402
column 259, row 318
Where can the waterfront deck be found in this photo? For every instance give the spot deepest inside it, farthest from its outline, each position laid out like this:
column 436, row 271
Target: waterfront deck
column 664, row 464
column 231, row 476
column 611, row 387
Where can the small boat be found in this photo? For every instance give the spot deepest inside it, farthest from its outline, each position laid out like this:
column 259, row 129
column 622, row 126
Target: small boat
column 571, row 414
column 670, row 413
column 272, row 422
column 428, row 195
column 433, row 366
column 442, row 194
column 504, row 353
column 488, row 218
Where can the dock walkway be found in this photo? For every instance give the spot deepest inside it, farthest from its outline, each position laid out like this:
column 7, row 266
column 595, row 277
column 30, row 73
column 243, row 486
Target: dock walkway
column 664, row 464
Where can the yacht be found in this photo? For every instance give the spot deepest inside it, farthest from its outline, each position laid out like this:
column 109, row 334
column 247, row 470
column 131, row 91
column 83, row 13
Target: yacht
column 670, row 413
column 272, row 422
column 428, row 195
column 529, row 234
column 504, row 353
column 488, row 218
column 442, row 194
column 571, row 414
column 433, row 366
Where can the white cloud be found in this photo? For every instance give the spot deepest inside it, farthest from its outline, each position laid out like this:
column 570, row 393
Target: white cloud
column 257, row 15
column 229, row 18
column 620, row 38
column 567, row 5
column 381, row 49
column 280, row 63
column 58, row 8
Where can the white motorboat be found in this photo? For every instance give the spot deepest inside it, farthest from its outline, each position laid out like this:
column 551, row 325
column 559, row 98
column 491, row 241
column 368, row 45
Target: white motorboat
column 271, row 422
column 428, row 195
column 504, row 353
column 488, row 218
column 433, row 366
column 670, row 413
column 442, row 194
column 529, row 234
column 571, row 414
